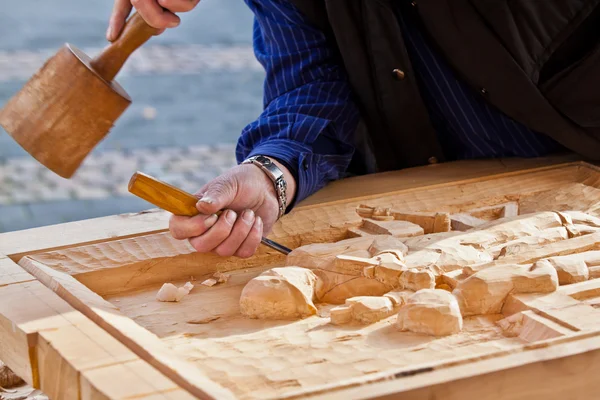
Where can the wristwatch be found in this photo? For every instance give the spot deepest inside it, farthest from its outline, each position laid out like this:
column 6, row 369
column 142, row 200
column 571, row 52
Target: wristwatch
column 276, row 175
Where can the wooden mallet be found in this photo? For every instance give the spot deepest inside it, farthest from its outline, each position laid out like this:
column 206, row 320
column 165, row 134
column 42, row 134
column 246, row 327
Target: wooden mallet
column 72, row 102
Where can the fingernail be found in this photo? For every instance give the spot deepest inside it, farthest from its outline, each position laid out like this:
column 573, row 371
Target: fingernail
column 109, row 33
column 210, row 221
column 259, row 222
column 248, row 216
column 173, row 24
column 231, row 216
column 206, row 199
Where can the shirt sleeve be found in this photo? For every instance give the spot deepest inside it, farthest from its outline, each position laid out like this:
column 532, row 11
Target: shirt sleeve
column 309, row 118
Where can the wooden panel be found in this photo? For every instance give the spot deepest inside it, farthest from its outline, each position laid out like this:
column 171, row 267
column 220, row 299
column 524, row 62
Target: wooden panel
column 55, row 348
column 257, row 359
column 144, row 343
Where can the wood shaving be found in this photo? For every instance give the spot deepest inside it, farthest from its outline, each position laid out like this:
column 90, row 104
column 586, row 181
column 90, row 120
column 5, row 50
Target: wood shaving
column 204, row 320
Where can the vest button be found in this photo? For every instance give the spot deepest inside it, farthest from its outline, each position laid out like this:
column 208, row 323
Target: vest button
column 398, row 74
column 432, row 160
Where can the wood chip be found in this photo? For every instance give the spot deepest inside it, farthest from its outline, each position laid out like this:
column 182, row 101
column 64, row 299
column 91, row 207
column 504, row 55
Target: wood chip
column 209, row 282
column 221, row 277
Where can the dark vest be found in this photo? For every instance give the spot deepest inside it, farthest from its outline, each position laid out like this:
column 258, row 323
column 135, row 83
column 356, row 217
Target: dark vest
column 536, row 61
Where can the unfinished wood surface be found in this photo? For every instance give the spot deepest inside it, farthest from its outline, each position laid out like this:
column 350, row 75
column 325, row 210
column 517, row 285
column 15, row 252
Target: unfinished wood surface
column 141, row 261
column 264, row 358
column 140, row 341
column 26, row 242
column 562, row 366
column 215, row 347
column 11, row 273
column 57, row 349
column 30, row 241
column 313, row 357
column 364, row 187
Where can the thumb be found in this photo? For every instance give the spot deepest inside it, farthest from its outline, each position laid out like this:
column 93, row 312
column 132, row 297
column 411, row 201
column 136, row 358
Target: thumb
column 217, row 195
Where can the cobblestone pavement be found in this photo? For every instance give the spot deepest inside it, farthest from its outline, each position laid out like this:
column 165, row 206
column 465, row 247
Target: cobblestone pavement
column 151, row 59
column 193, row 88
column 31, row 195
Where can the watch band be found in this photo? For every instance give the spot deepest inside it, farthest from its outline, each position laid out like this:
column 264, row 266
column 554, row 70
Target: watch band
column 276, row 175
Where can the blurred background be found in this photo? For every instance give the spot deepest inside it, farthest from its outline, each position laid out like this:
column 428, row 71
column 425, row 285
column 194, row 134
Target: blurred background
column 194, row 88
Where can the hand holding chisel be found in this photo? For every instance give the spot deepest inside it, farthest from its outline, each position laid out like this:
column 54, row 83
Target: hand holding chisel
column 176, row 201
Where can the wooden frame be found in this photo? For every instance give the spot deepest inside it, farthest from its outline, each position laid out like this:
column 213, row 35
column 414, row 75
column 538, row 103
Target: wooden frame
column 108, row 355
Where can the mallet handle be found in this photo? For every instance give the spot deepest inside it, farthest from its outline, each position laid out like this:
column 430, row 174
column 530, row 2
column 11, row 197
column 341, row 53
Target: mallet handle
column 135, row 33
column 176, row 201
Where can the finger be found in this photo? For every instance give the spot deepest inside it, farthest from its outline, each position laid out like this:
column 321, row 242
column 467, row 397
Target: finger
column 249, row 246
column 215, row 235
column 217, row 195
column 120, row 11
column 178, row 5
column 155, row 15
column 237, row 236
column 182, row 227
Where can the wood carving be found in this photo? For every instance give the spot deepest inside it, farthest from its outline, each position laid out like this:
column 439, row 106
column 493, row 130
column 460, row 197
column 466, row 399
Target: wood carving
column 424, row 347
column 432, row 312
column 436, row 279
column 399, row 229
column 490, row 213
column 280, row 293
column 362, row 309
column 416, row 279
column 532, row 327
column 398, row 297
column 430, row 222
column 485, row 292
column 464, row 222
column 385, row 243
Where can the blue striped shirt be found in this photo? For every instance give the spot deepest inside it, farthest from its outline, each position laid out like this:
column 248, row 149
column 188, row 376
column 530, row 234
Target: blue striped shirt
column 309, row 119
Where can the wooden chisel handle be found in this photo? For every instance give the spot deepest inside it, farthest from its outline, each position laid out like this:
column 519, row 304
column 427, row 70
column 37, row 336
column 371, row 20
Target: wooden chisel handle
column 176, row 201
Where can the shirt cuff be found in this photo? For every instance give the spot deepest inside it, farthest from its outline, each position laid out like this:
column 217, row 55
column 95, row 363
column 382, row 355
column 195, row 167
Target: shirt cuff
column 297, row 159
